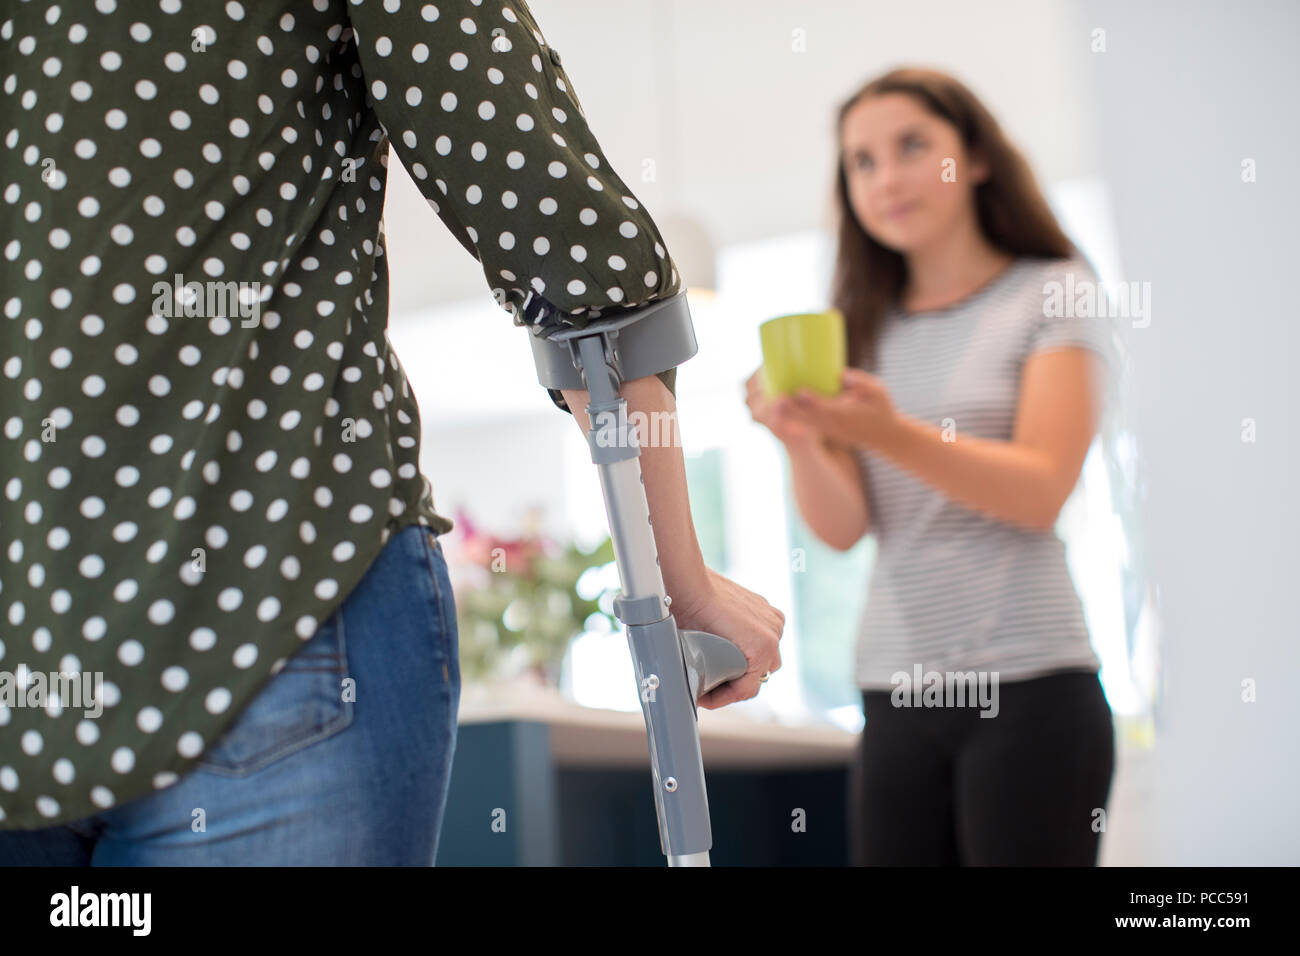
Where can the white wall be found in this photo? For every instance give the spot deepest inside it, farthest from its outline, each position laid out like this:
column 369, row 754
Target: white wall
column 740, row 125
column 1186, row 91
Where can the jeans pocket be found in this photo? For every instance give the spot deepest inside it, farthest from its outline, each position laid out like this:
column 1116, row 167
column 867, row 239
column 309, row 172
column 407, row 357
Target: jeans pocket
column 301, row 705
column 445, row 599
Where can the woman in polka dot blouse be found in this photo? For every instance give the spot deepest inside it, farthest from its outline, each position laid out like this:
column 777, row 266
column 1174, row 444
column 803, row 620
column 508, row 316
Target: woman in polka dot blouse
column 208, row 441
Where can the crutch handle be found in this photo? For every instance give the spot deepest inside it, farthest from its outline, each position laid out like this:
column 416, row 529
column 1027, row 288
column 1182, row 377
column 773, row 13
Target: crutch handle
column 710, row 661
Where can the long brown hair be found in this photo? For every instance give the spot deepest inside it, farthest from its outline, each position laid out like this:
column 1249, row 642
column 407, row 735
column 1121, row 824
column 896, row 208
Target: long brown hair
column 1012, row 212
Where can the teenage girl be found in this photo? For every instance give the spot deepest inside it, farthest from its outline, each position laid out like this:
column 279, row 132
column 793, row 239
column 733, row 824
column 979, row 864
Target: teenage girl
column 964, row 418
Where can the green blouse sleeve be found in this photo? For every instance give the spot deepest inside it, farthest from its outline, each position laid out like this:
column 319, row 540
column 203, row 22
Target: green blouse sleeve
column 480, row 111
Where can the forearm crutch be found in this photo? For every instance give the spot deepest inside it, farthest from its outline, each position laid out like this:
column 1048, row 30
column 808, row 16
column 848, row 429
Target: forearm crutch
column 673, row 668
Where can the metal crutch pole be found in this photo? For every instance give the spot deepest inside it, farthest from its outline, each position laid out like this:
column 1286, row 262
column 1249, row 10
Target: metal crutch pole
column 673, row 668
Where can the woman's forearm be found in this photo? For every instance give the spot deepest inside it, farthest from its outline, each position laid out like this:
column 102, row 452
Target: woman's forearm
column 999, row 478
column 829, row 493
column 663, row 468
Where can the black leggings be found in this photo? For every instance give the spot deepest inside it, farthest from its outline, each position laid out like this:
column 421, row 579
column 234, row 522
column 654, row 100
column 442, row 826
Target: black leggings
column 936, row 786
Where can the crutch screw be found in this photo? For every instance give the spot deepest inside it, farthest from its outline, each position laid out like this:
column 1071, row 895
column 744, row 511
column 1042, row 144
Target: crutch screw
column 670, row 784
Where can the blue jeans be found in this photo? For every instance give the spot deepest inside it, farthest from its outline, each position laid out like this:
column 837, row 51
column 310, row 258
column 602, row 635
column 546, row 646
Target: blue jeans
column 308, row 775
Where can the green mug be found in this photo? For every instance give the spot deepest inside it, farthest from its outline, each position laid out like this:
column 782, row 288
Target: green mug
column 806, row 349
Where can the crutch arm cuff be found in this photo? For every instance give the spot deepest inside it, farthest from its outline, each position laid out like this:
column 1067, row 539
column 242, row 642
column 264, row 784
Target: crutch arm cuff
column 651, row 340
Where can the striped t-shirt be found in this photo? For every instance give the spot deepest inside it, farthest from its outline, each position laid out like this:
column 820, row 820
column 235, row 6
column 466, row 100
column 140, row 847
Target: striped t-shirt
column 953, row 589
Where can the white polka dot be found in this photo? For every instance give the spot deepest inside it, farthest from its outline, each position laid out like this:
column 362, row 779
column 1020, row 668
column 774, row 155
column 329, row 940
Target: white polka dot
column 123, row 759
column 130, row 652
column 203, row 639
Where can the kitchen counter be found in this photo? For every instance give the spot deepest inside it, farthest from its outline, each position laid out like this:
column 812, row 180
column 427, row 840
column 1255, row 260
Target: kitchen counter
column 597, row 737
column 538, row 780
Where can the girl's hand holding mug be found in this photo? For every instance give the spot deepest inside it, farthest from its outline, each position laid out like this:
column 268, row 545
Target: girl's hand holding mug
column 775, row 415
column 862, row 415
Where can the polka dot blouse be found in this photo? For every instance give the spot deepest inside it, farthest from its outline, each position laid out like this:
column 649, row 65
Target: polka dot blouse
column 206, row 434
